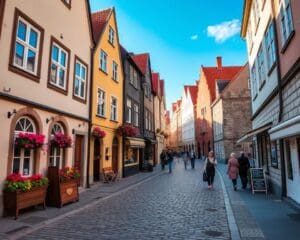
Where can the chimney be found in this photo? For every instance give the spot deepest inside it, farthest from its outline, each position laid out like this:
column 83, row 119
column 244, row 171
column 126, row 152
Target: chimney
column 219, row 63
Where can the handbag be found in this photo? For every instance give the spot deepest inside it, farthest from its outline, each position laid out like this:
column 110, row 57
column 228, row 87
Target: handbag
column 205, row 178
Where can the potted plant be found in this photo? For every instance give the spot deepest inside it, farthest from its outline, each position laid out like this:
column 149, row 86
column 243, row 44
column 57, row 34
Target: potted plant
column 23, row 192
column 98, row 133
column 61, row 140
column 63, row 186
column 29, row 140
column 127, row 130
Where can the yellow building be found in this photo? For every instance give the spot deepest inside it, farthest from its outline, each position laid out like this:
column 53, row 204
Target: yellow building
column 107, row 94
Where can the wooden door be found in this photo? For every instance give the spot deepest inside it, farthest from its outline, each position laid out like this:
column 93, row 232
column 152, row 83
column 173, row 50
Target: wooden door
column 96, row 160
column 79, row 154
column 114, row 157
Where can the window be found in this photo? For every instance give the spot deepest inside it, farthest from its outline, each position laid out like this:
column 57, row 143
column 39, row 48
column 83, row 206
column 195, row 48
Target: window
column 249, row 35
column 286, row 21
column 274, row 160
column 80, row 81
column 23, row 158
column 59, row 64
column 128, row 111
column 114, row 71
column 261, row 68
column 135, row 79
column 103, row 61
column 56, row 153
column 253, row 81
column 136, row 114
column 113, row 109
column 131, row 156
column 27, row 47
column 67, row 3
column 101, row 103
column 270, row 45
column 255, row 11
column 288, row 160
column 111, row 35
column 146, row 119
column 2, row 5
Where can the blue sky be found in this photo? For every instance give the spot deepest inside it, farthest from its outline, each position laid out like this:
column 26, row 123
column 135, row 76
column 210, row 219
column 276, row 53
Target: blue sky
column 180, row 35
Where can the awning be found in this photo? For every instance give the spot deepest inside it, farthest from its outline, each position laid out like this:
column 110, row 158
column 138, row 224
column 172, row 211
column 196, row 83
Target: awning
column 247, row 137
column 135, row 142
column 286, row 129
column 152, row 141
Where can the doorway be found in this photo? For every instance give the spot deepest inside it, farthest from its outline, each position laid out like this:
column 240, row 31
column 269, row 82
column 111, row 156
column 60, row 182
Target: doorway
column 115, row 155
column 79, row 155
column 96, row 164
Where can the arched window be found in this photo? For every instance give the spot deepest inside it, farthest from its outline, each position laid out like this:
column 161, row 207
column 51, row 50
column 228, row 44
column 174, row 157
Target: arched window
column 56, row 153
column 22, row 157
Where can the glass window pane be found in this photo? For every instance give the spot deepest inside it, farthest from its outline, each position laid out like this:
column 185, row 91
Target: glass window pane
column 27, row 153
column 53, row 73
column 63, row 59
column 19, row 56
column 77, row 69
column 16, row 165
column 61, row 78
column 26, row 166
column 83, row 73
column 55, row 53
column 82, row 92
column 17, row 151
column 33, row 38
column 31, row 60
column 76, row 89
column 22, row 30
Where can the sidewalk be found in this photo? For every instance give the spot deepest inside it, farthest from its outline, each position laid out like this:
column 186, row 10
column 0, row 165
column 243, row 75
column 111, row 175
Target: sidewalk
column 99, row 191
column 259, row 216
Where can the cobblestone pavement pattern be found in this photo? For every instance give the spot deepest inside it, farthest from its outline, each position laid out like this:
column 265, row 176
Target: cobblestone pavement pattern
column 169, row 206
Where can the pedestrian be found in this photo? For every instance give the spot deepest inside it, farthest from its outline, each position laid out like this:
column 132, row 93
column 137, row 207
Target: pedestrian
column 170, row 160
column 209, row 168
column 163, row 159
column 193, row 156
column 185, row 159
column 233, row 170
column 244, row 166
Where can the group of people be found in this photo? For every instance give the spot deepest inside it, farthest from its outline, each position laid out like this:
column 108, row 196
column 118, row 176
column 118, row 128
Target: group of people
column 188, row 156
column 166, row 158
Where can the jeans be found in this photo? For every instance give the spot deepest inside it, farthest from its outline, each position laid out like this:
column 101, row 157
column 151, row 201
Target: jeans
column 210, row 179
column 244, row 180
column 234, row 182
column 170, row 166
column 193, row 163
column 185, row 163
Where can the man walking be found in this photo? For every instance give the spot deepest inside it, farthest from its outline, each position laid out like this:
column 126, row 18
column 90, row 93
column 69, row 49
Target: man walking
column 163, row 159
column 170, row 160
column 193, row 156
column 244, row 165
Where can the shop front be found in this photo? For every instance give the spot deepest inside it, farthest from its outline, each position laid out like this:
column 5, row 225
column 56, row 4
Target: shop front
column 133, row 155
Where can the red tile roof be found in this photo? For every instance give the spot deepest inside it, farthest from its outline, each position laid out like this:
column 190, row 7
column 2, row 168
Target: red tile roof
column 155, row 83
column 212, row 74
column 99, row 20
column 142, row 61
column 193, row 92
column 162, row 87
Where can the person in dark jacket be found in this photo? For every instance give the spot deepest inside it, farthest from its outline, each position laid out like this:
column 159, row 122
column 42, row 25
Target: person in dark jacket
column 209, row 167
column 170, row 159
column 244, row 165
column 163, row 158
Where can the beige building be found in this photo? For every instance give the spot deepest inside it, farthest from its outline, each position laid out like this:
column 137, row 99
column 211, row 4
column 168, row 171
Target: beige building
column 44, row 84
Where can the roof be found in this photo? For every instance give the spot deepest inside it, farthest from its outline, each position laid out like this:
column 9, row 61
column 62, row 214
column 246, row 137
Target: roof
column 99, row 20
column 162, row 87
column 213, row 73
column 221, row 84
column 155, row 83
column 126, row 55
column 141, row 61
column 193, row 90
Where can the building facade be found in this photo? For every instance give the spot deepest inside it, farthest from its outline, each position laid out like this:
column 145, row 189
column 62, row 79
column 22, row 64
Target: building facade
column 107, row 102
column 45, row 74
column 206, row 96
column 232, row 115
column 133, row 149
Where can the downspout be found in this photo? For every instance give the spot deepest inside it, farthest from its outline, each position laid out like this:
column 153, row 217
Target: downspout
column 90, row 119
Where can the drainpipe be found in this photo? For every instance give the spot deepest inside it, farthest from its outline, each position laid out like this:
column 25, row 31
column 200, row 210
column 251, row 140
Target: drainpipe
column 90, row 119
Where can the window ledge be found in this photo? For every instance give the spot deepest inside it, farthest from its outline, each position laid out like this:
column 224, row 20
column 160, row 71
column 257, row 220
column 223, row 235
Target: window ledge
column 79, row 99
column 116, row 81
column 57, row 89
column 262, row 85
column 103, row 71
column 100, row 116
column 115, row 121
column 24, row 73
column 287, row 42
column 272, row 68
column 111, row 43
column 254, row 97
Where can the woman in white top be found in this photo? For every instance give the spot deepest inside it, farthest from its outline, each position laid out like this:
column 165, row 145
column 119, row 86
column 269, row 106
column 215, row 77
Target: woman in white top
column 209, row 168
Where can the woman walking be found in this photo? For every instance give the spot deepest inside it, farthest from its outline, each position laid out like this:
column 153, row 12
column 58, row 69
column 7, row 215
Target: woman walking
column 209, row 168
column 233, row 170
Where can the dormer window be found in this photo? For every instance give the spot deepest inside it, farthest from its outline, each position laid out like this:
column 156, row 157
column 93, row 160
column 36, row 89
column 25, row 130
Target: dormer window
column 67, row 3
column 111, row 36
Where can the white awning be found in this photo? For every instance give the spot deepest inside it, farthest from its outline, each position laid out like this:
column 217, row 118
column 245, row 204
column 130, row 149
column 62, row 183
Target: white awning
column 286, row 129
column 135, row 142
column 247, row 137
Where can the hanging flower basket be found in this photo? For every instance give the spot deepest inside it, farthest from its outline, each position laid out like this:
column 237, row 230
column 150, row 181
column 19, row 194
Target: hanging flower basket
column 60, row 140
column 127, row 130
column 29, row 140
column 98, row 133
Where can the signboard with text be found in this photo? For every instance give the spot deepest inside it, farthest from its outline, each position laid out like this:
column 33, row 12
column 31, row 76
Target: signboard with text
column 258, row 180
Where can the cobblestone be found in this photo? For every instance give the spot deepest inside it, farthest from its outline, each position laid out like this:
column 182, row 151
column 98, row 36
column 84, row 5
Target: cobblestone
column 169, row 206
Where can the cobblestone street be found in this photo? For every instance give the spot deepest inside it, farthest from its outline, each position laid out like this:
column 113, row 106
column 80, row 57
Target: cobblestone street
column 169, row 206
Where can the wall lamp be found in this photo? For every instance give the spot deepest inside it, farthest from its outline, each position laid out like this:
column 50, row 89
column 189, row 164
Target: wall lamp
column 9, row 114
column 49, row 119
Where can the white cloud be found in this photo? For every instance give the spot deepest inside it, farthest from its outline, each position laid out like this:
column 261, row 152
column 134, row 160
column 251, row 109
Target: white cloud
column 194, row 37
column 225, row 30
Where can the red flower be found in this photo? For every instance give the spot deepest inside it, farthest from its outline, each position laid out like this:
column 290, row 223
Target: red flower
column 127, row 130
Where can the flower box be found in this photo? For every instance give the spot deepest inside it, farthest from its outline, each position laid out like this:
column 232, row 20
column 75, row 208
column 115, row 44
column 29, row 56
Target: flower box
column 98, row 133
column 61, row 140
column 127, row 130
column 15, row 201
column 29, row 140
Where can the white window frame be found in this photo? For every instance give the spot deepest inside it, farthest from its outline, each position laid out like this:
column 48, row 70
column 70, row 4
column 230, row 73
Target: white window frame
column 101, row 102
column 59, row 66
column 27, row 46
column 260, row 66
column 80, row 79
column 103, row 61
column 254, row 81
column 113, row 109
column 111, row 35
column 270, row 45
column 129, row 110
column 136, row 114
column 286, row 21
column 114, row 71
